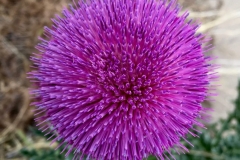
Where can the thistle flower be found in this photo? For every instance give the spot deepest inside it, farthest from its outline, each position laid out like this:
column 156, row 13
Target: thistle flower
column 121, row 79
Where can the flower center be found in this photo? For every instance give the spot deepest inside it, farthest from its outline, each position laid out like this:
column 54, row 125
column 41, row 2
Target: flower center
column 125, row 81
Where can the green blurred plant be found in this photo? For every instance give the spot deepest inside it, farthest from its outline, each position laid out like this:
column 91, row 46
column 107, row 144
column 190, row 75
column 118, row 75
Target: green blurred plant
column 44, row 153
column 221, row 141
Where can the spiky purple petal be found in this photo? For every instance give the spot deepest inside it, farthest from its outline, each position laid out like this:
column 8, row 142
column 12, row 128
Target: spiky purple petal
column 122, row 79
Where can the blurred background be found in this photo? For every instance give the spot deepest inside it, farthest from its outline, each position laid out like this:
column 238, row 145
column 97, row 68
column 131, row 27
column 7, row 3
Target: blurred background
column 22, row 22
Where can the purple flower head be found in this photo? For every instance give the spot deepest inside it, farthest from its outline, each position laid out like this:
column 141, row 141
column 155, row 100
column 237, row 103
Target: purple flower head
column 122, row 79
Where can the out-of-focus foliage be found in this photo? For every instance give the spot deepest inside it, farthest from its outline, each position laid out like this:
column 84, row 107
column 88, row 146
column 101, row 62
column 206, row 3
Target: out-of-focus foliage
column 221, row 141
column 46, row 153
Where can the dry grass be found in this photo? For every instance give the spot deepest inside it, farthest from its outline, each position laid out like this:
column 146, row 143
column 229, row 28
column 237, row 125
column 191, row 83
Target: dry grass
column 21, row 22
